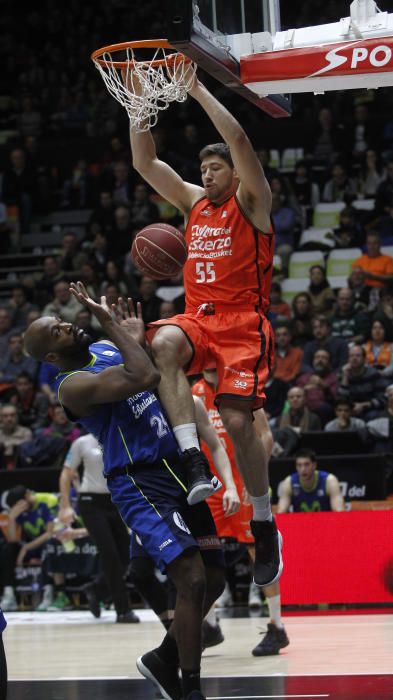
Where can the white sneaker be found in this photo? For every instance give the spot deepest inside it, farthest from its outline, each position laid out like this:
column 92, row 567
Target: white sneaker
column 47, row 599
column 8, row 601
column 225, row 600
column 254, row 596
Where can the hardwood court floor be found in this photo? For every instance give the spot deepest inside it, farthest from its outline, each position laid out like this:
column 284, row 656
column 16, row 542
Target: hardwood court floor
column 70, row 656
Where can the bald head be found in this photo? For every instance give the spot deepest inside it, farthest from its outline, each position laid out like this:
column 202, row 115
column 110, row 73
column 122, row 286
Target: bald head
column 35, row 336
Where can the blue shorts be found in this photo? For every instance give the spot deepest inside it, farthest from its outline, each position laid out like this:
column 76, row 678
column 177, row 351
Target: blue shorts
column 152, row 501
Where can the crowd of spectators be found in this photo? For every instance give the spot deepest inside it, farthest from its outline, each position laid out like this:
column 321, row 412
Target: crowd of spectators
column 67, row 149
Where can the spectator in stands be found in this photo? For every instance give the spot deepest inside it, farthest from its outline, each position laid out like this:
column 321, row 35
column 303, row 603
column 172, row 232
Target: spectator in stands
column 305, row 190
column 6, row 330
column 378, row 267
column 384, row 194
column 284, row 220
column 32, row 405
column 113, row 273
column 79, row 190
column 348, row 232
column 309, row 490
column 302, row 313
column 19, row 306
column 279, row 310
column 298, row 416
column 47, row 280
column 149, row 301
column 361, row 134
column 34, row 515
column 362, row 385
column 379, row 351
column 320, row 386
column 344, row 421
column 265, row 157
column 63, row 304
column 16, row 361
column 60, row 426
column 99, row 252
column 12, row 434
column 19, row 187
column 123, row 231
column 361, row 292
column 326, row 140
column 167, row 309
column 5, row 230
column 322, row 332
column 143, row 211
column 370, row 175
column 276, row 395
column 90, row 277
column 288, row 357
column 71, row 257
column 46, row 374
column 384, row 310
column 85, row 321
column 121, row 183
column 340, row 187
column 101, row 219
column 322, row 295
column 346, row 322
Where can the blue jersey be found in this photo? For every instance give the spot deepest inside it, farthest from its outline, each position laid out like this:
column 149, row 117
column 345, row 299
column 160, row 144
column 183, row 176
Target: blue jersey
column 132, row 431
column 311, row 501
column 3, row 623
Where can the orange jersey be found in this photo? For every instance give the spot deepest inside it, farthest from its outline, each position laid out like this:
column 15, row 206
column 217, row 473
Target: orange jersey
column 229, row 260
column 206, row 392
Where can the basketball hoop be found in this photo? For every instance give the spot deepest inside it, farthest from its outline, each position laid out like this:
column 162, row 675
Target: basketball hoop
column 145, row 85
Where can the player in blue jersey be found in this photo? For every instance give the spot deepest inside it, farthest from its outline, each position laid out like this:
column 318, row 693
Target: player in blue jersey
column 3, row 662
column 309, row 490
column 108, row 387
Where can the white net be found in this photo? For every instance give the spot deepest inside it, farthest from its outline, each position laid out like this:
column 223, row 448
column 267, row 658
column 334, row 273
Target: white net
column 145, row 88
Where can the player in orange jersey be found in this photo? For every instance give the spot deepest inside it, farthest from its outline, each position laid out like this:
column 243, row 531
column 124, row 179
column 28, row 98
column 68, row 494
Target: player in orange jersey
column 227, row 281
column 236, row 526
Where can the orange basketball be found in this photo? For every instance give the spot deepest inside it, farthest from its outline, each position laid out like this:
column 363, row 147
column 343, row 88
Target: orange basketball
column 159, row 251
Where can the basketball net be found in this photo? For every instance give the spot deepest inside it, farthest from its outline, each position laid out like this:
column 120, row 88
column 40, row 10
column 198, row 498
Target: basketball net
column 145, row 87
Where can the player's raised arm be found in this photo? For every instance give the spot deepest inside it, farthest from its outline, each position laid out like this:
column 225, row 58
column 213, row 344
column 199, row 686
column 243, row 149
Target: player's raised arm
column 254, row 191
column 157, row 173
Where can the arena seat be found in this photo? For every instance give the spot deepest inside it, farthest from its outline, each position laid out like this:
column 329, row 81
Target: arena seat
column 387, row 250
column 317, row 236
column 327, row 214
column 339, row 262
column 291, row 287
column 301, row 261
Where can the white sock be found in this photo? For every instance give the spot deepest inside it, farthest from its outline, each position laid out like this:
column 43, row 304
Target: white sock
column 186, row 436
column 274, row 605
column 261, row 506
column 9, row 591
column 211, row 617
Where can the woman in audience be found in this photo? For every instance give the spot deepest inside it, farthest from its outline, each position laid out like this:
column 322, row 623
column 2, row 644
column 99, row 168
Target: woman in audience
column 379, row 352
column 370, row 176
column 322, row 295
column 113, row 274
column 302, row 313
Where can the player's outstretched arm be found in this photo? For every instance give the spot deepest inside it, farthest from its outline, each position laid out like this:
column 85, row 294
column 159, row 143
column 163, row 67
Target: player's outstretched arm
column 156, row 172
column 254, row 190
column 80, row 392
column 230, row 499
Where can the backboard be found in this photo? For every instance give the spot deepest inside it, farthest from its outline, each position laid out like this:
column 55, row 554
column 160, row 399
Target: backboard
column 213, row 33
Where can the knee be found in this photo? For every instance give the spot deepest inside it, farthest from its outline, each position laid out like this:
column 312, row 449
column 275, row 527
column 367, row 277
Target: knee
column 192, row 586
column 164, row 348
column 235, row 423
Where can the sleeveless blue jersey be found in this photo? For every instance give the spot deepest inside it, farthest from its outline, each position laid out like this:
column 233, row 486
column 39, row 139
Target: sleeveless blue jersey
column 310, row 501
column 131, row 431
column 3, row 623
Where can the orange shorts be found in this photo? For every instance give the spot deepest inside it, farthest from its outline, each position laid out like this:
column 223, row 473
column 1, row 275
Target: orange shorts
column 239, row 344
column 236, row 526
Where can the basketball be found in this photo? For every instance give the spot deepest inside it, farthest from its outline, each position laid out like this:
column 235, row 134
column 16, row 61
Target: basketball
column 159, row 251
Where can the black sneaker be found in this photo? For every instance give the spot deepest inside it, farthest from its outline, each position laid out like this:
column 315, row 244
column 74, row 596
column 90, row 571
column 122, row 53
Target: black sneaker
column 200, row 481
column 274, row 640
column 92, row 600
column 211, row 635
column 268, row 564
column 164, row 677
column 127, row 618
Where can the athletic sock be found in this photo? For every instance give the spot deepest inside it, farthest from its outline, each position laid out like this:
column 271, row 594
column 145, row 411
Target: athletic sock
column 167, row 651
column 262, row 509
column 191, row 680
column 186, row 436
column 274, row 605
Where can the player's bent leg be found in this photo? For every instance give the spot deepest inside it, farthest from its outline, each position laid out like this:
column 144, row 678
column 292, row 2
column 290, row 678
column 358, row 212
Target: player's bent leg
column 252, row 461
column 142, row 574
column 276, row 637
column 171, row 352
